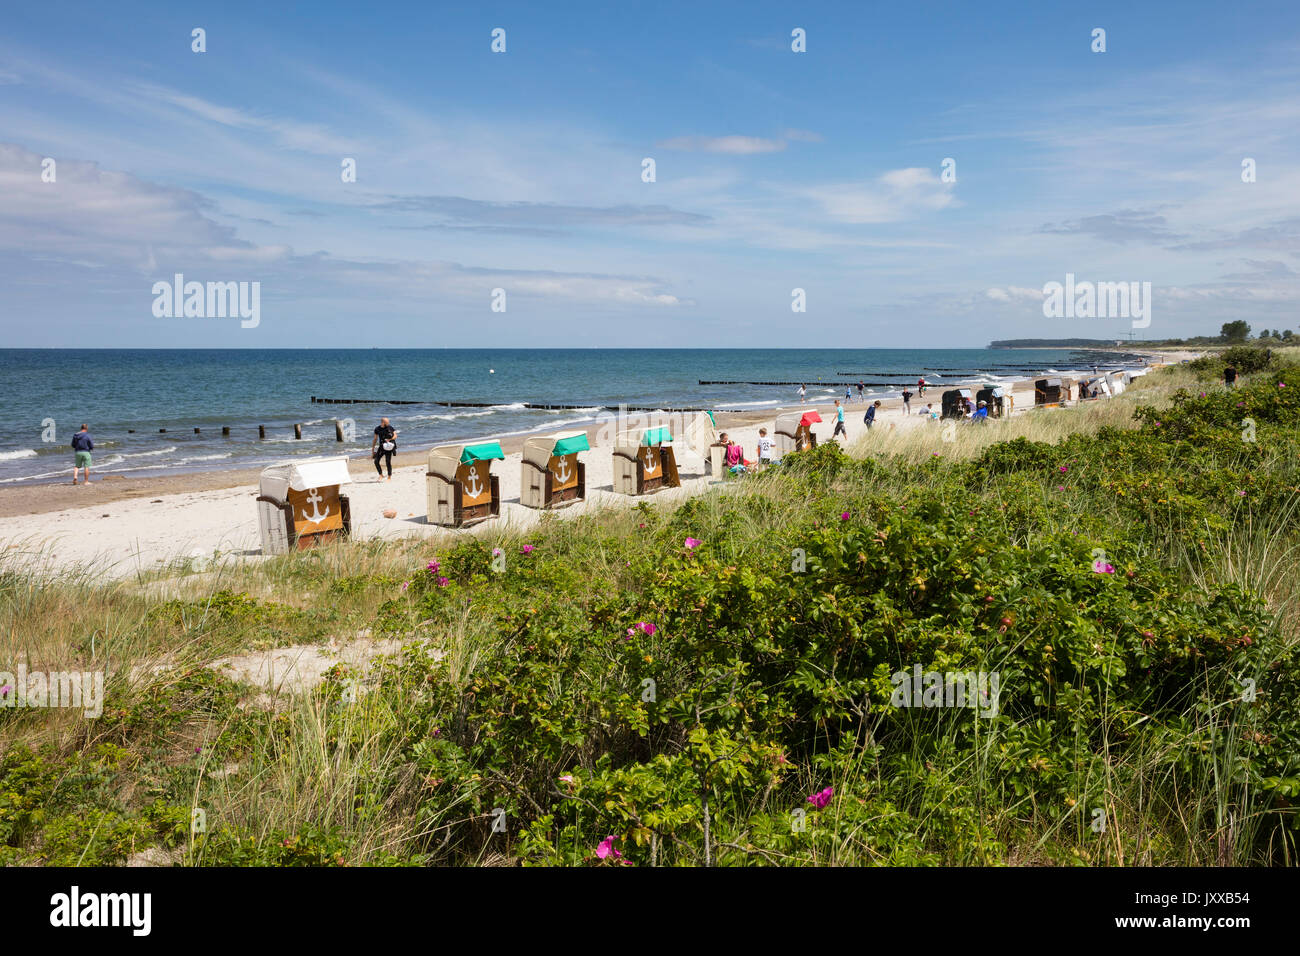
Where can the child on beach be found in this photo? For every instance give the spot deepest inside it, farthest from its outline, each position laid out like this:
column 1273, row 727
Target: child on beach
column 907, row 401
column 83, row 446
column 803, row 390
column 839, row 421
column 735, row 457
column 870, row 418
column 765, row 446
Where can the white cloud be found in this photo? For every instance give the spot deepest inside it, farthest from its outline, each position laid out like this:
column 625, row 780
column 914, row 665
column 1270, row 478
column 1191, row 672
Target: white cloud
column 307, row 137
column 896, row 195
column 732, row 145
column 1013, row 292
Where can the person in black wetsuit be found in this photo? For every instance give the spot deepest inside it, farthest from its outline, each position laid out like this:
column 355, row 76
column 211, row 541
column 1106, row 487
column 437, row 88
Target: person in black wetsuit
column 383, row 445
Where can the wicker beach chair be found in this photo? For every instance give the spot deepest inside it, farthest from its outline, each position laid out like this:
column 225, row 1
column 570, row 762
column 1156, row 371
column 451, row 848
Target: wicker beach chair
column 551, row 474
column 299, row 504
column 460, row 486
column 644, row 461
column 793, row 431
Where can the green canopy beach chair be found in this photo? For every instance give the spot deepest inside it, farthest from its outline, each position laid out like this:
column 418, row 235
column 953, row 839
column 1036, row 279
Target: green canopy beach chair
column 551, row 474
column 460, row 485
column 644, row 462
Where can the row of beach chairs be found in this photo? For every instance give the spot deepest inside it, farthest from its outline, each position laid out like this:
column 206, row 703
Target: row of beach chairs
column 301, row 503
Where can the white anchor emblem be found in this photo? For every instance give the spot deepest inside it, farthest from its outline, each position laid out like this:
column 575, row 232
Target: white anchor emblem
column 472, row 484
column 651, row 466
column 315, row 517
column 562, row 470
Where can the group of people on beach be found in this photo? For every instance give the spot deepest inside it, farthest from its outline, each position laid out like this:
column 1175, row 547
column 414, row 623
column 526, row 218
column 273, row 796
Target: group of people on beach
column 734, row 459
column 921, row 386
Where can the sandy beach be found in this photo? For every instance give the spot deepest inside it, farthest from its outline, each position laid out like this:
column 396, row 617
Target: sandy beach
column 121, row 527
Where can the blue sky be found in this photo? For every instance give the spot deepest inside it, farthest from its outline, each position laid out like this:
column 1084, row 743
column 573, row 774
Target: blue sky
column 522, row 171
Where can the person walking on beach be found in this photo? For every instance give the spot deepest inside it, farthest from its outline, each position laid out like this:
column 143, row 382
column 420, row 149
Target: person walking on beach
column 869, row 419
column 846, row 394
column 859, row 391
column 803, row 390
column 382, row 446
column 839, row 422
column 82, row 445
column 920, row 387
column 907, row 401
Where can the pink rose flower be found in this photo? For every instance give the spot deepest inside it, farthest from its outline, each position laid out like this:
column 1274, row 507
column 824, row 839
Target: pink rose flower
column 693, row 543
column 1101, row 567
column 844, row 516
column 605, row 850
column 526, row 549
column 821, row 798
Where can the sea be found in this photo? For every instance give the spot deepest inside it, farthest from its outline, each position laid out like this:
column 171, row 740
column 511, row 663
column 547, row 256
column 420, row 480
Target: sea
column 144, row 405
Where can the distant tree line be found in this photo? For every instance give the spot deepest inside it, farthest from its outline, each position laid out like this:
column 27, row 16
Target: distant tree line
column 1230, row 333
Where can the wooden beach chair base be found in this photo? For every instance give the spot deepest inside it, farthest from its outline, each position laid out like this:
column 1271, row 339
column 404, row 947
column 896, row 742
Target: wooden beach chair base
column 540, row 488
column 287, row 534
column 650, row 470
column 450, row 508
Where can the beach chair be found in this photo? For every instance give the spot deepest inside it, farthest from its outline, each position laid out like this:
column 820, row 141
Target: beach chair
column 460, row 486
column 644, row 461
column 551, row 475
column 299, row 504
column 995, row 398
column 953, row 402
column 793, row 431
column 1047, row 392
column 1094, row 388
column 700, row 437
column 1117, row 381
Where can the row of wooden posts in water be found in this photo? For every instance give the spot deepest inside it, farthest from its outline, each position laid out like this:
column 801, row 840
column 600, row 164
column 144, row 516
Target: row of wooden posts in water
column 261, row 431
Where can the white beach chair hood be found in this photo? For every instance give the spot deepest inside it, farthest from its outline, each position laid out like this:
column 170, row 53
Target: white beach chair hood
column 276, row 480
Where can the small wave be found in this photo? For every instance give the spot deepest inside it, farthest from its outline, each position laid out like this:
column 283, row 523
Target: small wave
column 146, row 454
column 11, row 455
column 48, row 474
column 448, row 416
column 229, row 454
